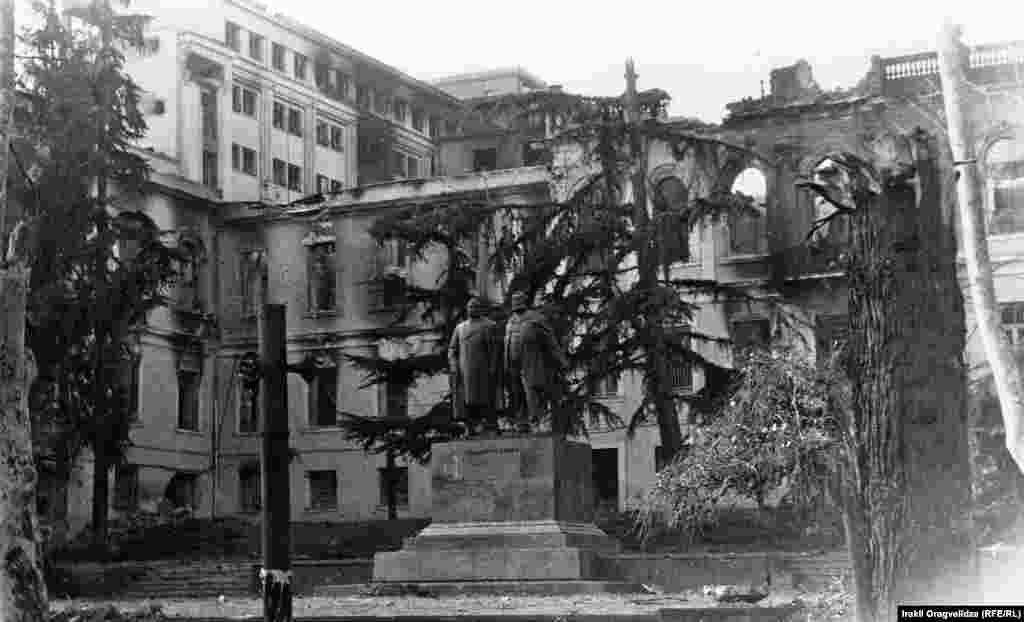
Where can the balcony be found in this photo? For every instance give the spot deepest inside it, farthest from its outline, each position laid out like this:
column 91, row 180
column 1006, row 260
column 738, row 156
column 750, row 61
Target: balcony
column 918, row 74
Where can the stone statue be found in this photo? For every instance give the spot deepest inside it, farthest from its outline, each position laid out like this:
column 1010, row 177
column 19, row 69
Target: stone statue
column 534, row 364
column 474, row 357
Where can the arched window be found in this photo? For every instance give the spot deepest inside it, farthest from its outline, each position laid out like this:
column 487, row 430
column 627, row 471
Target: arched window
column 747, row 231
column 670, row 195
column 1004, row 167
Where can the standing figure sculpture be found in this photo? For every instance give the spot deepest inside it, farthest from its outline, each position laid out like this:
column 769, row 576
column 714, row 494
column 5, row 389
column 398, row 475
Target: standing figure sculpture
column 534, row 365
column 474, row 358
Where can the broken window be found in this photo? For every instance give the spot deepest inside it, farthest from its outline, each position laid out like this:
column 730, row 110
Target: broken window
column 1004, row 163
column 747, row 231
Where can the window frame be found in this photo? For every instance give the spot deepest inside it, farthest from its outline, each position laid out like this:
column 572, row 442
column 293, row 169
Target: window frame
column 299, row 65
column 256, row 43
column 277, row 57
column 322, row 264
column 334, row 499
column 233, row 35
column 257, row 489
column 294, row 177
column 189, row 402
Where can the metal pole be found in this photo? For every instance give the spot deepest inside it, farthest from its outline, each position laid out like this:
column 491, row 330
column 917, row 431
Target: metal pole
column 275, row 460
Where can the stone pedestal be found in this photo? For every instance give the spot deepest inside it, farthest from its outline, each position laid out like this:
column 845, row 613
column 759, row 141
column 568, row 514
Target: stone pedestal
column 505, row 509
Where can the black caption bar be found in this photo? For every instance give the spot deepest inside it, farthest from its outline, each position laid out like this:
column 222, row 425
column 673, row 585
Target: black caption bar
column 959, row 612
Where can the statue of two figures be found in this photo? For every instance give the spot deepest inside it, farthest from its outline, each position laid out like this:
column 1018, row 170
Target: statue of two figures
column 519, row 373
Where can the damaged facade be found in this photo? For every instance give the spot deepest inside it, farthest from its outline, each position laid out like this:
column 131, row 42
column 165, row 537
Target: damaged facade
column 246, row 106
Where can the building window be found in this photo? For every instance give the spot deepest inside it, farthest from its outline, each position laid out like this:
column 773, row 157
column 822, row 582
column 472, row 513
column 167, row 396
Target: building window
column 321, row 77
column 1004, row 167
column 188, row 400
column 243, row 159
column 300, row 66
column 398, row 164
column 401, row 475
column 248, row 411
column 396, row 400
column 323, row 134
column 485, row 159
column 747, row 231
column 251, row 280
column 754, row 333
column 322, row 184
column 323, row 490
column 126, row 487
column 249, row 492
column 670, row 195
column 335, row 186
column 208, row 113
column 243, row 100
column 417, row 119
column 434, row 127
column 233, row 36
column 323, row 397
column 294, row 178
column 342, row 85
column 277, row 56
column 280, row 172
column 337, row 139
column 362, row 95
column 680, row 372
column 382, row 104
column 210, row 179
column 279, row 115
column 295, row 121
column 322, row 275
column 181, row 490
column 256, row 47
column 401, row 110
column 1012, row 314
column 412, row 167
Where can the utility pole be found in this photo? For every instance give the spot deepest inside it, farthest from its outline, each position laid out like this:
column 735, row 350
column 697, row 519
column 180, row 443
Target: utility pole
column 275, row 462
column 1008, row 382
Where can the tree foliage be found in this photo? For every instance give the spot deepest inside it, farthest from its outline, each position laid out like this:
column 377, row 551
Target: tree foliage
column 97, row 267
column 778, row 431
column 596, row 260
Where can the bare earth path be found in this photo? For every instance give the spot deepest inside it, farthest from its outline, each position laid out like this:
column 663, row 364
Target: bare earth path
column 313, row 607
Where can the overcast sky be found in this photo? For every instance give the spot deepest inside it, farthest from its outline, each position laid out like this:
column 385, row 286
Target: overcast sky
column 705, row 53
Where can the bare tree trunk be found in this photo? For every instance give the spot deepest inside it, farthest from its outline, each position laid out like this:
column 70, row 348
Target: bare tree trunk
column 1008, row 382
column 22, row 589
column 908, row 496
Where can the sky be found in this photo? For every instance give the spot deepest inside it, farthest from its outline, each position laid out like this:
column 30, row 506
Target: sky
column 704, row 54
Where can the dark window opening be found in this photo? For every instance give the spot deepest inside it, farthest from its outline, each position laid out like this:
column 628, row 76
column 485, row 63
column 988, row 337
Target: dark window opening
column 323, row 396
column 401, row 479
column 485, row 159
column 606, row 478
column 323, row 490
column 188, row 400
column 249, row 493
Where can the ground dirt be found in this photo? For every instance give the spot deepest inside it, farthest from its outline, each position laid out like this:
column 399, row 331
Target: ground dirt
column 633, row 604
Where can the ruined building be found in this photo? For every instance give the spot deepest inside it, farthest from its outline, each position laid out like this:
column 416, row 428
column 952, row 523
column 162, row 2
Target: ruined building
column 248, row 106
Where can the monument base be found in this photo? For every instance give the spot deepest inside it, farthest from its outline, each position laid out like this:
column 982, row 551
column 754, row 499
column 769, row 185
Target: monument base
column 509, row 514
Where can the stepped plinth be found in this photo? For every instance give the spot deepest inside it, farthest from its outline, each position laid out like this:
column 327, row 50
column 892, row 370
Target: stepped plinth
column 507, row 509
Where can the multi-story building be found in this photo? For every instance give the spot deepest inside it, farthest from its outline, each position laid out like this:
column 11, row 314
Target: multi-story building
column 253, row 107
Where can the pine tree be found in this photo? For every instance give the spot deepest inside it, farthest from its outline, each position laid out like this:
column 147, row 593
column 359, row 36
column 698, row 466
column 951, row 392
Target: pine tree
column 598, row 261
column 97, row 269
